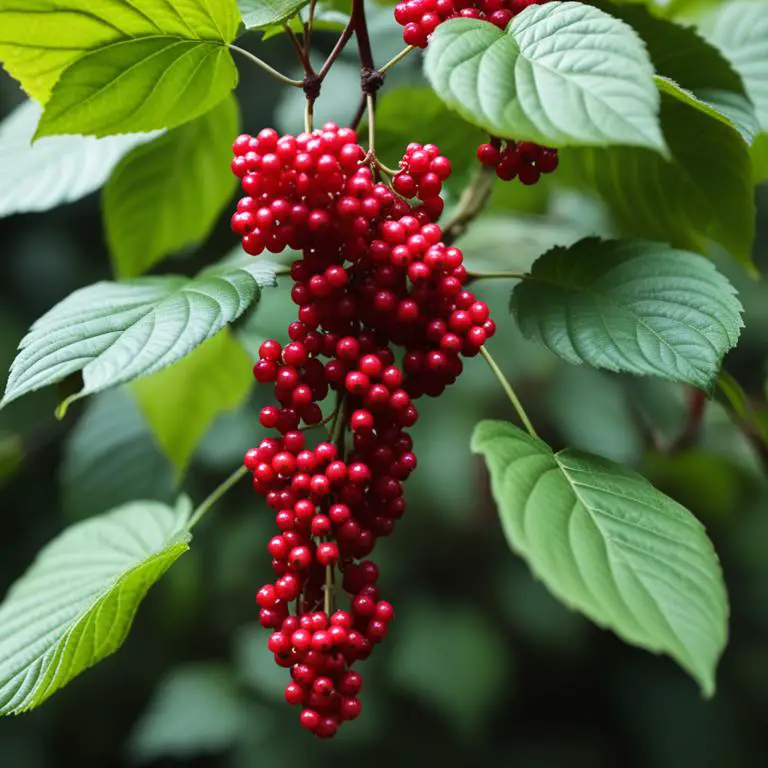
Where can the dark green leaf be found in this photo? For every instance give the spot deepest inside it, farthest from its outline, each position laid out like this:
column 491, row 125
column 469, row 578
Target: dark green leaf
column 262, row 13
column 631, row 306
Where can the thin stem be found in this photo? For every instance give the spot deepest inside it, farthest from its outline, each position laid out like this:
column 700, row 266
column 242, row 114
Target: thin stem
column 309, row 111
column 308, row 28
column 337, row 49
column 303, row 58
column 391, row 63
column 328, row 589
column 473, row 276
column 471, row 203
column 361, row 29
column 386, row 169
column 507, row 387
column 263, row 64
column 371, row 105
column 231, row 481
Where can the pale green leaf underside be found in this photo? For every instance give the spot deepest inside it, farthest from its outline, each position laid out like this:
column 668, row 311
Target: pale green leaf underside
column 740, row 30
column 116, row 332
column 705, row 193
column 76, row 603
column 607, row 543
column 139, row 84
column 39, row 39
column 631, row 306
column 181, row 401
column 55, row 170
column 562, row 74
column 168, row 194
column 262, row 13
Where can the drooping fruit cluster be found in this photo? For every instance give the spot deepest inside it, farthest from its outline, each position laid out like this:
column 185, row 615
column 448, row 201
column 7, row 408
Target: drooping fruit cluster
column 523, row 160
column 374, row 275
column 420, row 18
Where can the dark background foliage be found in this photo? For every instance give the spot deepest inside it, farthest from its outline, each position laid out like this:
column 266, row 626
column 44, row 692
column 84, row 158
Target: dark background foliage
column 482, row 667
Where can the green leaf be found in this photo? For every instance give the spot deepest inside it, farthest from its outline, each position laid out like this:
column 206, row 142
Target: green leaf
column 631, row 306
column 112, row 333
column 111, row 458
column 262, row 13
column 562, row 74
column 196, row 710
column 139, row 85
column 168, row 194
column 608, row 544
column 55, row 170
column 760, row 158
column 75, row 604
column 181, row 401
column 704, row 193
column 39, row 39
column 729, row 108
column 740, row 30
column 11, row 456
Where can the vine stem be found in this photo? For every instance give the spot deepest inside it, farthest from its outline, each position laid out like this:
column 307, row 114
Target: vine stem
column 346, row 34
column 395, row 59
column 230, row 482
column 472, row 201
column 263, row 64
column 298, row 48
column 371, row 124
column 507, row 387
column 309, row 111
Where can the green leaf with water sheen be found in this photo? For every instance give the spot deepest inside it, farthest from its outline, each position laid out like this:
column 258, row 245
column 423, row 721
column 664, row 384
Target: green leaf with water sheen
column 76, row 603
column 112, row 333
column 168, row 194
column 631, row 306
column 607, row 543
column 561, row 74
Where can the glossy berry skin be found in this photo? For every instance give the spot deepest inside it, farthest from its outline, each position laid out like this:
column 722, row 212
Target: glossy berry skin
column 383, row 318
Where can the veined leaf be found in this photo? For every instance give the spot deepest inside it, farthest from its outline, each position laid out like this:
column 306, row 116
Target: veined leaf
column 39, row 39
column 75, row 604
column 631, row 306
column 139, row 84
column 113, row 333
column 181, row 401
column 55, row 170
column 608, row 544
column 168, row 194
column 562, row 74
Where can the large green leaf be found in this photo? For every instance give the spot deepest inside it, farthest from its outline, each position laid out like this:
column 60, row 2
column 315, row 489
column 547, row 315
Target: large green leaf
column 111, row 458
column 704, row 193
column 75, row 604
column 112, row 333
column 632, row 306
column 139, row 85
column 562, row 74
column 262, row 13
column 181, row 402
column 39, row 39
column 55, row 170
column 740, row 30
column 607, row 543
column 168, row 194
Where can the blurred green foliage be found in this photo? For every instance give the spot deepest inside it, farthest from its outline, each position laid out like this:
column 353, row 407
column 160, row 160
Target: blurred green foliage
column 482, row 666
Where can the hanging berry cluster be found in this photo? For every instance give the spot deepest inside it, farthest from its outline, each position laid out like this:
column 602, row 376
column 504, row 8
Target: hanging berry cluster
column 523, row 160
column 374, row 276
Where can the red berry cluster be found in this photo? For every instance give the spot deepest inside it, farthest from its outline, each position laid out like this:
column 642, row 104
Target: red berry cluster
column 420, row 18
column 519, row 159
column 374, row 275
